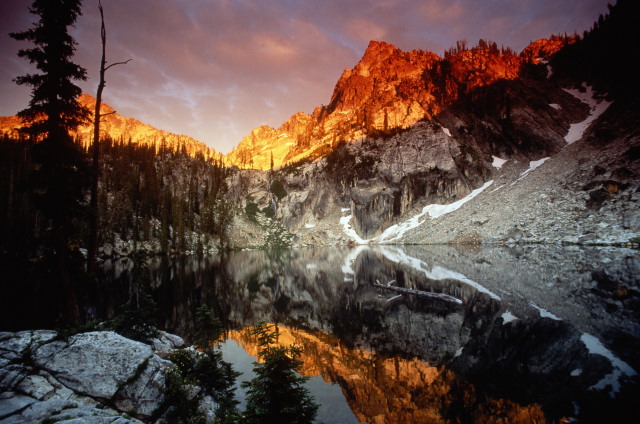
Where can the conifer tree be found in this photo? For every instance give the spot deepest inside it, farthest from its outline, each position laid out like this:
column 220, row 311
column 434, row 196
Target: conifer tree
column 277, row 394
column 53, row 112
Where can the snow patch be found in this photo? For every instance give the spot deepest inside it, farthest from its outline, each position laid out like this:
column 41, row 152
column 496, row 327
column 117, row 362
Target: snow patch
column 532, row 165
column 345, row 221
column 620, row 368
column 555, row 106
column 598, row 107
column 432, row 211
column 446, row 131
column 345, row 210
column 458, row 352
column 544, row 313
column 309, row 225
column 497, row 188
column 577, row 372
column 497, row 162
column 508, row 317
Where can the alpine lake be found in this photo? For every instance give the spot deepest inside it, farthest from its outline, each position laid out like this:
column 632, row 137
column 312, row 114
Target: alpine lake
column 422, row 334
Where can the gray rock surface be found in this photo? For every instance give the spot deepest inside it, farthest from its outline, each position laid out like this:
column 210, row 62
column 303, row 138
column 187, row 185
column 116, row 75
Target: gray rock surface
column 81, row 379
column 587, row 192
column 165, row 343
column 95, row 364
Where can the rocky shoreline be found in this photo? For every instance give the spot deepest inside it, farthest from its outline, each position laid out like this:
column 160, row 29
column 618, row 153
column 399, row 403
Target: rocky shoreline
column 95, row 377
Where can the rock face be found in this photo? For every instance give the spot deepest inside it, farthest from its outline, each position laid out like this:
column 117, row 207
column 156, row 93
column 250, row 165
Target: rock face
column 408, row 129
column 387, row 90
column 381, row 181
column 586, row 192
column 84, row 377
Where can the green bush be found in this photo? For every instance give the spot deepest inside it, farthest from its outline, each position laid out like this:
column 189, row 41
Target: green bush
column 251, row 209
column 269, row 212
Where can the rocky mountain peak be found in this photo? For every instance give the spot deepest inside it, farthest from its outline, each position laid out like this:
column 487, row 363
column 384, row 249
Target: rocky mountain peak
column 89, row 102
column 376, row 52
column 119, row 127
column 544, row 48
column 388, row 90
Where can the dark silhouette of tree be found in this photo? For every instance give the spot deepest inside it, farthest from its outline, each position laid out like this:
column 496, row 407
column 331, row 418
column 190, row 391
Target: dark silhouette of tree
column 277, row 394
column 92, row 247
column 604, row 56
column 61, row 167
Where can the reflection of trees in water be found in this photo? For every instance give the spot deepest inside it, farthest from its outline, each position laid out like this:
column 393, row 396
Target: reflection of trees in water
column 380, row 388
column 530, row 360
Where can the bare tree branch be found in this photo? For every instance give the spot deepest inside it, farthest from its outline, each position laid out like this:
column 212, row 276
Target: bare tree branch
column 118, row 63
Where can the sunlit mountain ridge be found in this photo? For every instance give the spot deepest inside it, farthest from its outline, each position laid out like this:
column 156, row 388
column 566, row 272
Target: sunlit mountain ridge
column 388, row 90
column 124, row 129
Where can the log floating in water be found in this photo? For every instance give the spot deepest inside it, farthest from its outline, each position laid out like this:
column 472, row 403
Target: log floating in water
column 419, row 293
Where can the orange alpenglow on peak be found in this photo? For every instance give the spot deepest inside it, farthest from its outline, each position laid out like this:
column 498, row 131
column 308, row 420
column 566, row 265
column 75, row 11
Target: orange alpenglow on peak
column 388, row 89
column 367, row 378
column 128, row 130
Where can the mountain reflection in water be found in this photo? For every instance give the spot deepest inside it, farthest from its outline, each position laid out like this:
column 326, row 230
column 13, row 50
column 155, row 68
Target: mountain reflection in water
column 386, row 389
column 536, row 334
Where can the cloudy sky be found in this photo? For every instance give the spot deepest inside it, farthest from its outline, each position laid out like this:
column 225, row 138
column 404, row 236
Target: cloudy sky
column 216, row 69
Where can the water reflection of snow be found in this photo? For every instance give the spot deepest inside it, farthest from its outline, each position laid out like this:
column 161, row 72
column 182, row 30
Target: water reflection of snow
column 620, row 368
column 395, row 254
column 544, row 313
column 348, row 267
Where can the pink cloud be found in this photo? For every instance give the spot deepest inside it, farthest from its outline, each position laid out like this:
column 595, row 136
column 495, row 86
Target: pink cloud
column 215, row 69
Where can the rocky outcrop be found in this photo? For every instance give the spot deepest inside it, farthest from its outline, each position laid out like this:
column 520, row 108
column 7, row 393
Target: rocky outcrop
column 381, row 155
column 94, row 377
column 388, row 90
column 499, row 133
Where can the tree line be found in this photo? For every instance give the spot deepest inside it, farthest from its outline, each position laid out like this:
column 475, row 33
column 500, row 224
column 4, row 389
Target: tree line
column 150, row 201
column 161, row 199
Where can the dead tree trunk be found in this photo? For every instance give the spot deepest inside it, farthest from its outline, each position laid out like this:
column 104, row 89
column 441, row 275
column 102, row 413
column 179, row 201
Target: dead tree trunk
column 92, row 248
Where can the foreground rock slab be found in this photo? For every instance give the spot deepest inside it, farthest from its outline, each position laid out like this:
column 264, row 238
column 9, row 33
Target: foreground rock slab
column 95, row 377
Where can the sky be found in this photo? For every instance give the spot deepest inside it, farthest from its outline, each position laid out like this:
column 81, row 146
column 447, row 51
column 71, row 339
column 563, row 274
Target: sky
column 216, row 69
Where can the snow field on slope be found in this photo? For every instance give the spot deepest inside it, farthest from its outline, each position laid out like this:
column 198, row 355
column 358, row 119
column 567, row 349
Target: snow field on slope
column 598, row 107
column 396, row 231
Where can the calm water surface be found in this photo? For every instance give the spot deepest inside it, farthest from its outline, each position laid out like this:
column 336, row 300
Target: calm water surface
column 427, row 334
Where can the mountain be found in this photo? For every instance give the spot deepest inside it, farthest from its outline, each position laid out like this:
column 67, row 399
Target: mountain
column 128, row 130
column 535, row 151
column 481, row 145
column 386, row 91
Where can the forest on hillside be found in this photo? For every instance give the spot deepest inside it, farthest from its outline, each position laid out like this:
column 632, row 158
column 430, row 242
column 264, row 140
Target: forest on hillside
column 150, row 201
